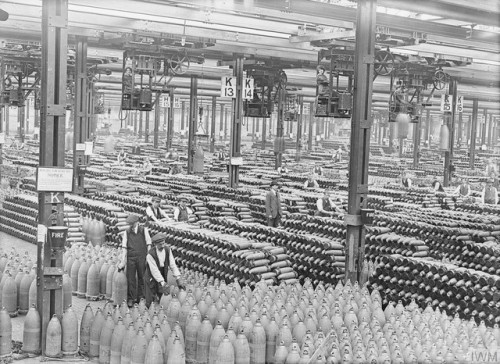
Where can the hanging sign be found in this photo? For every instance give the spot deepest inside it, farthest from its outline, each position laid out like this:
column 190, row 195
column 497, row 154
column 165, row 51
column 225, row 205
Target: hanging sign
column 165, row 100
column 177, row 102
column 2, row 138
column 228, row 87
column 306, row 108
column 445, row 103
column 460, row 104
column 248, row 88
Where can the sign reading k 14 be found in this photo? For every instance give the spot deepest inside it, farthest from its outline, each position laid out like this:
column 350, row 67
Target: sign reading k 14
column 248, row 89
column 445, row 103
column 460, row 104
column 228, row 87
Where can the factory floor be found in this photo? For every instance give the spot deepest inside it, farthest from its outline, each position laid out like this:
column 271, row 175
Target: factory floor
column 8, row 242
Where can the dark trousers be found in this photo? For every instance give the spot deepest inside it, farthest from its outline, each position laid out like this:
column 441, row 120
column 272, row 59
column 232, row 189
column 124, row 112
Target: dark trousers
column 152, row 293
column 274, row 221
column 135, row 277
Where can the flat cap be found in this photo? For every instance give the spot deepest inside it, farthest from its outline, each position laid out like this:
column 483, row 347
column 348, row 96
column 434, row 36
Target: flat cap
column 132, row 218
column 155, row 199
column 158, row 238
column 182, row 198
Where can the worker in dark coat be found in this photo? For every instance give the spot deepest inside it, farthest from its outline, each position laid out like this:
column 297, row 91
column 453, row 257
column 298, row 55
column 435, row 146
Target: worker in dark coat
column 273, row 205
column 136, row 243
column 158, row 261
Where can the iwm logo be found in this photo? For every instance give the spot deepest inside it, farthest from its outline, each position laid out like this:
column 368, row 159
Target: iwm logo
column 483, row 356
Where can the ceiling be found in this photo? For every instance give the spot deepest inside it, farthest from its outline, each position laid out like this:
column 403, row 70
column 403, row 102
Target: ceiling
column 280, row 29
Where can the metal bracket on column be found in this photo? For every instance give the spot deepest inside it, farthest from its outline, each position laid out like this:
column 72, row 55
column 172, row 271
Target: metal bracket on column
column 55, row 110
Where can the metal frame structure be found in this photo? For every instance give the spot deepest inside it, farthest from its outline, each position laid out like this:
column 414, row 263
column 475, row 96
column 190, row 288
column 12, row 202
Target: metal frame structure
column 52, row 127
column 360, row 138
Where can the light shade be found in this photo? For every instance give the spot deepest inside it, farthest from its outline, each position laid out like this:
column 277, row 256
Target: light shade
column 403, row 123
column 444, row 138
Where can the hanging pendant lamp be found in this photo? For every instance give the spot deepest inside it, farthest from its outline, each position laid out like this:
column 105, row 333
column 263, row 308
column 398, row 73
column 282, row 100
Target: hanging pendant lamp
column 444, row 138
column 403, row 125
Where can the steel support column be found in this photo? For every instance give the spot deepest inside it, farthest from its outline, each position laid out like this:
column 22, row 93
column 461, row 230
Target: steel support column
column 21, row 111
column 237, row 112
column 146, row 128
column 298, row 147
column 225, row 122
column 264, row 133
column 490, row 131
column 460, row 130
column 416, row 143
column 212, row 129
column 7, row 119
column 193, row 119
column 170, row 120
column 484, row 127
column 156, row 126
column 473, row 132
column 183, row 114
column 311, row 122
column 360, row 137
column 2, row 110
column 141, row 116
column 221, row 120
column 450, row 120
column 52, row 132
column 280, row 126
column 80, row 111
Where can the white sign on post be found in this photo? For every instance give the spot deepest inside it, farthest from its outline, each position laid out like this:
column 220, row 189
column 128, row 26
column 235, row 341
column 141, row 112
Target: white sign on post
column 177, row 102
column 445, row 103
column 228, row 87
column 165, row 100
column 460, row 104
column 306, row 108
column 2, row 138
column 54, row 179
column 248, row 89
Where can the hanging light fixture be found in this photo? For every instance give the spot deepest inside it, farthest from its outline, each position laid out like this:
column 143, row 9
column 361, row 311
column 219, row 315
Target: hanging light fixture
column 444, row 138
column 403, row 125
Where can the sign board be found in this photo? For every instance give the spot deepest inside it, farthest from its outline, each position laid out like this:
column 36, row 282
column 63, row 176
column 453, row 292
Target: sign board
column 237, row 161
column 165, row 100
column 2, row 138
column 228, row 87
column 445, row 103
column 80, row 146
column 89, row 148
column 54, row 197
column 177, row 102
column 460, row 104
column 248, row 88
column 54, row 179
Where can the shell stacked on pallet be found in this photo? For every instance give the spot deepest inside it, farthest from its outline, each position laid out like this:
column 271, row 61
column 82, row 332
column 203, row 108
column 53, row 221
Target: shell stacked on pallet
column 227, row 256
column 18, row 218
column 320, row 259
column 93, row 274
column 468, row 293
column 97, row 214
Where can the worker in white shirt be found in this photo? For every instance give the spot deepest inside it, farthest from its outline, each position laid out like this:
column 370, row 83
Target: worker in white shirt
column 325, row 205
column 489, row 195
column 182, row 212
column 405, row 180
column 158, row 261
column 155, row 213
column 136, row 243
column 463, row 189
column 311, row 183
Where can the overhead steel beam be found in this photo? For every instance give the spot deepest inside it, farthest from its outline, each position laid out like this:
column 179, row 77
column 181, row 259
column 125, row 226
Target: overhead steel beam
column 447, row 10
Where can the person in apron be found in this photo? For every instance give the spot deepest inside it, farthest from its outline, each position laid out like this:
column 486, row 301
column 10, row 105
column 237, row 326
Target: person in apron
column 326, row 207
column 135, row 244
column 489, row 196
column 155, row 213
column 182, row 212
column 158, row 261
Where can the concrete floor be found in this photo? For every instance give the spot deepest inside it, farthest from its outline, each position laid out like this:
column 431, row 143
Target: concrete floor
column 8, row 242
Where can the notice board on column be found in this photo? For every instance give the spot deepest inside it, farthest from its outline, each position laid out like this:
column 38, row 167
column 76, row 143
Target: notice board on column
column 54, row 179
